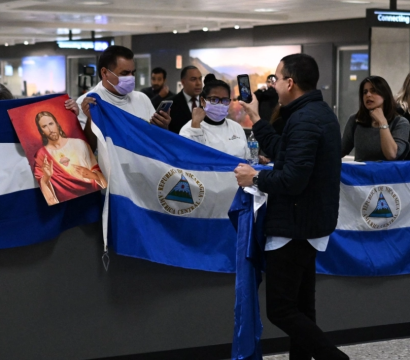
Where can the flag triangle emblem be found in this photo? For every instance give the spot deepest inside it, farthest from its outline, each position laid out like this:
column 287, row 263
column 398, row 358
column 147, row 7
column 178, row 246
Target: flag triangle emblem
column 382, row 209
column 181, row 192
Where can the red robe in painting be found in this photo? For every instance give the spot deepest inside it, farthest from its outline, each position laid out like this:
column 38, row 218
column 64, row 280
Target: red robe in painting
column 65, row 185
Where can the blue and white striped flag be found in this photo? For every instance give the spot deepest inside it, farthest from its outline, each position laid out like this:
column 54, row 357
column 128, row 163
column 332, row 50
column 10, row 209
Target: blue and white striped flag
column 168, row 196
column 372, row 237
column 25, row 217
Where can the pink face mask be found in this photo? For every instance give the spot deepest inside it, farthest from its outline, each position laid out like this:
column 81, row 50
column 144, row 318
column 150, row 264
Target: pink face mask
column 125, row 85
column 216, row 112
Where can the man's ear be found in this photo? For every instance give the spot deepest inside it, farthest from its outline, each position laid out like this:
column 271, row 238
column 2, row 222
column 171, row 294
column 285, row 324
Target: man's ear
column 291, row 84
column 103, row 72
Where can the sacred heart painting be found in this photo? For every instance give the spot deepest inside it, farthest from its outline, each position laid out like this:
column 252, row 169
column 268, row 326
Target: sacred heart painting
column 57, row 150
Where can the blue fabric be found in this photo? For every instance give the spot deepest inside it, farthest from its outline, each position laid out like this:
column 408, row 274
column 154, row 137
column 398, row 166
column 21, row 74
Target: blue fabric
column 386, row 172
column 369, row 253
column 249, row 265
column 185, row 242
column 366, row 253
column 189, row 242
column 25, row 217
column 148, row 140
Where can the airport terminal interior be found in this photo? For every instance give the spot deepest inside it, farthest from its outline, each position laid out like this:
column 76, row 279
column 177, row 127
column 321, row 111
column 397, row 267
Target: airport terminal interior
column 60, row 301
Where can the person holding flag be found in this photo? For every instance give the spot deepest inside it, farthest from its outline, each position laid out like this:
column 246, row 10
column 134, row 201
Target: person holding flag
column 303, row 189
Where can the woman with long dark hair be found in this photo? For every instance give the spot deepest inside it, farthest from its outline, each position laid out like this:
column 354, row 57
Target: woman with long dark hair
column 376, row 131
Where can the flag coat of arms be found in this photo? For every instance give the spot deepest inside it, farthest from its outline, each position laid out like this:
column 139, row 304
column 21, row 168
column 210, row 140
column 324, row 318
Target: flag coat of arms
column 372, row 237
column 168, row 197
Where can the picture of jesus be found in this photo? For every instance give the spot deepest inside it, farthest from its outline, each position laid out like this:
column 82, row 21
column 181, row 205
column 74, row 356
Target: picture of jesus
column 64, row 167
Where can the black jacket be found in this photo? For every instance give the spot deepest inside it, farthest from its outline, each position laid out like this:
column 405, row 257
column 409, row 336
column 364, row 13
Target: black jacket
column 180, row 113
column 304, row 185
column 155, row 97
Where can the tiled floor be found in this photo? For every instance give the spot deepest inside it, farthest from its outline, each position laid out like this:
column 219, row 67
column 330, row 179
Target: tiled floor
column 383, row 350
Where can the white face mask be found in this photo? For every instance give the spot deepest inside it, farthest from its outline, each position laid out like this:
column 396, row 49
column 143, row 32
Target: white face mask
column 216, row 112
column 125, row 85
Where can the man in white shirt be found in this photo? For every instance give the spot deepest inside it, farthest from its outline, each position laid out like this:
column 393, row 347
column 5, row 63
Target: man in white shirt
column 116, row 69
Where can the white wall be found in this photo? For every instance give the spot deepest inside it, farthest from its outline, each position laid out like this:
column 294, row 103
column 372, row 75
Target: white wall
column 390, row 55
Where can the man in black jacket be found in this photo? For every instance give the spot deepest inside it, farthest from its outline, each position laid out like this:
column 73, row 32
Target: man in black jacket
column 187, row 99
column 159, row 90
column 303, row 193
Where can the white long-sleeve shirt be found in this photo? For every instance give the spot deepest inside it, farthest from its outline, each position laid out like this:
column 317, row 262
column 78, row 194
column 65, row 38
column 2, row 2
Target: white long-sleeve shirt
column 228, row 137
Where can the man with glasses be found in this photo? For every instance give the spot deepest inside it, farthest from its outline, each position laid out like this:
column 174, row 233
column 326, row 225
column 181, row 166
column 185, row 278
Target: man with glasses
column 267, row 98
column 210, row 125
column 116, row 70
column 302, row 211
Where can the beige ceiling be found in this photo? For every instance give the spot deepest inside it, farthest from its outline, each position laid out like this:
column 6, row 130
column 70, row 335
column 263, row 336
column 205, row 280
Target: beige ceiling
column 50, row 20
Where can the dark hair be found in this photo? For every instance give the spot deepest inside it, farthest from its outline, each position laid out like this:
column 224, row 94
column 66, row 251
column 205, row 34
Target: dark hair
column 5, row 93
column 214, row 84
column 108, row 58
column 382, row 88
column 185, row 70
column 269, row 77
column 159, row 70
column 209, row 77
column 38, row 118
column 303, row 69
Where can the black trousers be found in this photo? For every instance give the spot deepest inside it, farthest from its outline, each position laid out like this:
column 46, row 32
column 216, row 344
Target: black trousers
column 290, row 301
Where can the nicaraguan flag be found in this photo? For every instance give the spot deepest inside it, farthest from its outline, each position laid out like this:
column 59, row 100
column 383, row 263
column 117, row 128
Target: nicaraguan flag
column 25, row 217
column 168, row 196
column 250, row 262
column 372, row 237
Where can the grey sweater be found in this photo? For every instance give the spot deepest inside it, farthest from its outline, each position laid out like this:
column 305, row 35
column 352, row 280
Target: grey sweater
column 366, row 140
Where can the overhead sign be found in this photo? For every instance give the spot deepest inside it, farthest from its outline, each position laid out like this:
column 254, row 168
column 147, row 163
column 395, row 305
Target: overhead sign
column 388, row 18
column 96, row 45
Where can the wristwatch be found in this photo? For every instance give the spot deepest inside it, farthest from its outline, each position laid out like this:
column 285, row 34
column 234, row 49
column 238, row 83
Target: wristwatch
column 255, row 179
column 384, row 126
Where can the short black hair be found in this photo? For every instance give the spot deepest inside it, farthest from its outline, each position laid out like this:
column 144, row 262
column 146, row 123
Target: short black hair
column 269, row 77
column 185, row 70
column 214, row 84
column 159, row 70
column 108, row 58
column 303, row 69
column 5, row 93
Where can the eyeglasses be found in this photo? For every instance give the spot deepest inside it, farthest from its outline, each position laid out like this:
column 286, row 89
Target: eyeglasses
column 216, row 100
column 274, row 79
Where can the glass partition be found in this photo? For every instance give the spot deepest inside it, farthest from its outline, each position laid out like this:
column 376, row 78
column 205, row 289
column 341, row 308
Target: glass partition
column 143, row 73
column 352, row 68
column 81, row 75
column 11, row 76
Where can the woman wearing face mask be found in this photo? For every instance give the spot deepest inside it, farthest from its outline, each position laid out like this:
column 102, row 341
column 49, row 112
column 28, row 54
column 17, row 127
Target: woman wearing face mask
column 209, row 125
column 376, row 132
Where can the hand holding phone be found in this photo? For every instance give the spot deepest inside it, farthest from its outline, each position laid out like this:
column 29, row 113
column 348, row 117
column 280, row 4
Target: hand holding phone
column 245, row 92
column 165, row 105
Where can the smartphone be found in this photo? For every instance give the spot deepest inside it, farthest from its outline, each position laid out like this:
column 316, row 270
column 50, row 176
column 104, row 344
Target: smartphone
column 164, row 106
column 245, row 93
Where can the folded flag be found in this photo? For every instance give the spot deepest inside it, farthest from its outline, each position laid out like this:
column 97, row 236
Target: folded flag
column 372, row 237
column 25, row 217
column 168, row 197
column 249, row 266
